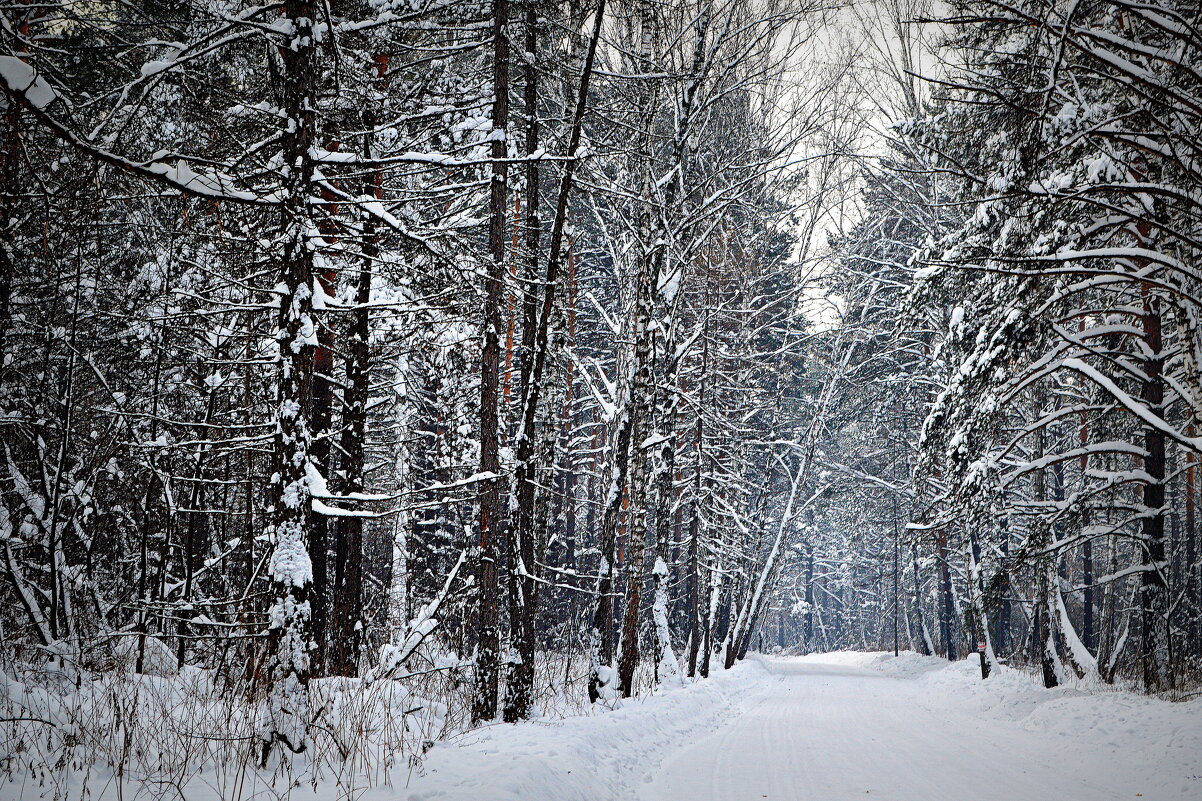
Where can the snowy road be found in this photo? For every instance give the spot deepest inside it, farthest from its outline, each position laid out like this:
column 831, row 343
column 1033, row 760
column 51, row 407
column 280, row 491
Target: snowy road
column 828, row 732
column 839, row 727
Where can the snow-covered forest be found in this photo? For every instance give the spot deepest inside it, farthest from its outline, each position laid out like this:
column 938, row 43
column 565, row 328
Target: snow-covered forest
column 375, row 371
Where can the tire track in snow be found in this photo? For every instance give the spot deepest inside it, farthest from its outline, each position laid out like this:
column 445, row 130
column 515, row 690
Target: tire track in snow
column 831, row 732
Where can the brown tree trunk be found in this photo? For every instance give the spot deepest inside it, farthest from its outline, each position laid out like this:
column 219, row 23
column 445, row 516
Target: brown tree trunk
column 523, row 591
column 346, row 619
column 1088, row 637
column 1153, row 589
column 1192, row 604
column 524, row 604
column 692, row 587
column 323, row 418
column 484, row 706
column 319, row 539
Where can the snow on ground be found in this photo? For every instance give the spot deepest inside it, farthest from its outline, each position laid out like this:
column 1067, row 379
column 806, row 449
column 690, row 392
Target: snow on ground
column 835, row 727
column 829, row 727
column 586, row 758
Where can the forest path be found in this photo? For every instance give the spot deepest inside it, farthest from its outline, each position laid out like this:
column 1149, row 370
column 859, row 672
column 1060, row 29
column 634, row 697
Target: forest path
column 815, row 730
column 835, row 727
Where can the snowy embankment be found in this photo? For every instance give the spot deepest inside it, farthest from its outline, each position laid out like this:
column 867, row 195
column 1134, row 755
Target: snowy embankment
column 1154, row 746
column 594, row 757
column 1129, row 722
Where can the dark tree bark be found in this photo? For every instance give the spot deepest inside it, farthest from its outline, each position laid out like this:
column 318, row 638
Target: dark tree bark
column 346, row 618
column 1088, row 630
column 10, row 171
column 1153, row 588
column 896, row 578
column 195, row 535
column 1193, row 603
column 526, row 589
column 693, row 585
column 808, row 617
column 924, row 643
column 1001, row 626
column 484, row 706
column 1041, row 629
column 947, row 604
column 523, row 590
column 1088, row 637
column 320, row 452
column 291, row 518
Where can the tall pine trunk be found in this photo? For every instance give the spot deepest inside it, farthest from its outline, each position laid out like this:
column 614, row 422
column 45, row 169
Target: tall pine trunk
column 346, row 619
column 290, row 521
column 523, row 591
column 1154, row 605
column 484, row 706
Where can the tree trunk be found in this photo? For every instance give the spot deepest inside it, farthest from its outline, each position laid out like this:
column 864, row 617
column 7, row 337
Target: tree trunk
column 523, row 605
column 693, row 585
column 290, row 570
column 1153, row 589
column 808, row 617
column 523, row 591
column 1193, row 604
column 346, row 620
column 320, row 451
column 1042, row 622
column 947, row 603
column 638, row 402
column 663, row 484
column 925, row 644
column 1001, row 629
column 1087, row 572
